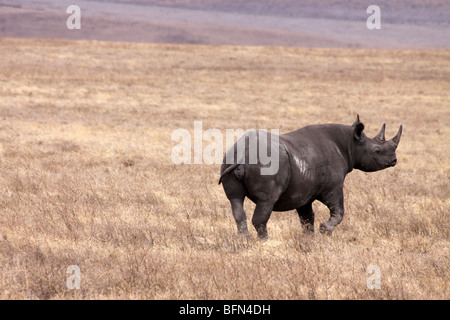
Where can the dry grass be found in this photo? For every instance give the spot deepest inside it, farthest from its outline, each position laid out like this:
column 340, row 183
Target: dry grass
column 87, row 179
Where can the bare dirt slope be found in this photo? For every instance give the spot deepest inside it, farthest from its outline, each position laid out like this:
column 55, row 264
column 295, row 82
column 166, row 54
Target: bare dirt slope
column 306, row 23
column 87, row 177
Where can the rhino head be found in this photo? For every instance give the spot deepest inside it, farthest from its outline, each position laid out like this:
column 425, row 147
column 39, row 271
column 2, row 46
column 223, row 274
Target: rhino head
column 373, row 154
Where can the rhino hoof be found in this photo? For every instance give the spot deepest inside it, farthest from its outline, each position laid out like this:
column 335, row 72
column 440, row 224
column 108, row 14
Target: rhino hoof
column 243, row 234
column 325, row 229
column 308, row 229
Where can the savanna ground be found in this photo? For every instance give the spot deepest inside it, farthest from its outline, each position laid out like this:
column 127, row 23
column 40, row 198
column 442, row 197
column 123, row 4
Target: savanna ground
column 87, row 178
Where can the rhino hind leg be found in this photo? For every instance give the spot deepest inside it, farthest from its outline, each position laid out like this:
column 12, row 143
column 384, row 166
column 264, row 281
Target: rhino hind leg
column 260, row 217
column 306, row 215
column 236, row 192
column 237, row 207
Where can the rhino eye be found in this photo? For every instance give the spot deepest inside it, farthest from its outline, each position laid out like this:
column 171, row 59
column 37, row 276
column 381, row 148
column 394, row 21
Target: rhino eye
column 377, row 151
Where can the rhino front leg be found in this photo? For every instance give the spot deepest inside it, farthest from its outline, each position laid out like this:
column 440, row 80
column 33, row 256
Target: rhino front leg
column 306, row 215
column 334, row 202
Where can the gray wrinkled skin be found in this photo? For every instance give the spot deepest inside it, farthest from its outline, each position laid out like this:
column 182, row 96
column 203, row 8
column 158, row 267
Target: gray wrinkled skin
column 313, row 164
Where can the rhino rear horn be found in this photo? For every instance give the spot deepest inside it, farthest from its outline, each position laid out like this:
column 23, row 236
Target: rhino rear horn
column 380, row 135
column 396, row 139
column 356, row 121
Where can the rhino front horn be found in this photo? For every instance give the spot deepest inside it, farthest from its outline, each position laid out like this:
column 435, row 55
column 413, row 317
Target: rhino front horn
column 380, row 135
column 396, row 139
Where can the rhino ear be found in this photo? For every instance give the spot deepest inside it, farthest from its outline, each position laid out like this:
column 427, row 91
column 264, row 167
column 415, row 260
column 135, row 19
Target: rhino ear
column 358, row 134
column 357, row 121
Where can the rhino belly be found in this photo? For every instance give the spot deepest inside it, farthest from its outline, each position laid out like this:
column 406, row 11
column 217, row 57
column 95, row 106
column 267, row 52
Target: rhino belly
column 301, row 186
column 291, row 201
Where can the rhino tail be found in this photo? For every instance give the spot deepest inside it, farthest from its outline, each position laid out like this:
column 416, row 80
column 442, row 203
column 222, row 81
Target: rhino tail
column 238, row 169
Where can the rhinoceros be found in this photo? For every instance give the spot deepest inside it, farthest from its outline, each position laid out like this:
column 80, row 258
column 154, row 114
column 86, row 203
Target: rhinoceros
column 312, row 165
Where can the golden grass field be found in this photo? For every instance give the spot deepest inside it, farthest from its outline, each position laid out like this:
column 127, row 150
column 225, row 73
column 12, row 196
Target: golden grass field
column 87, row 178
